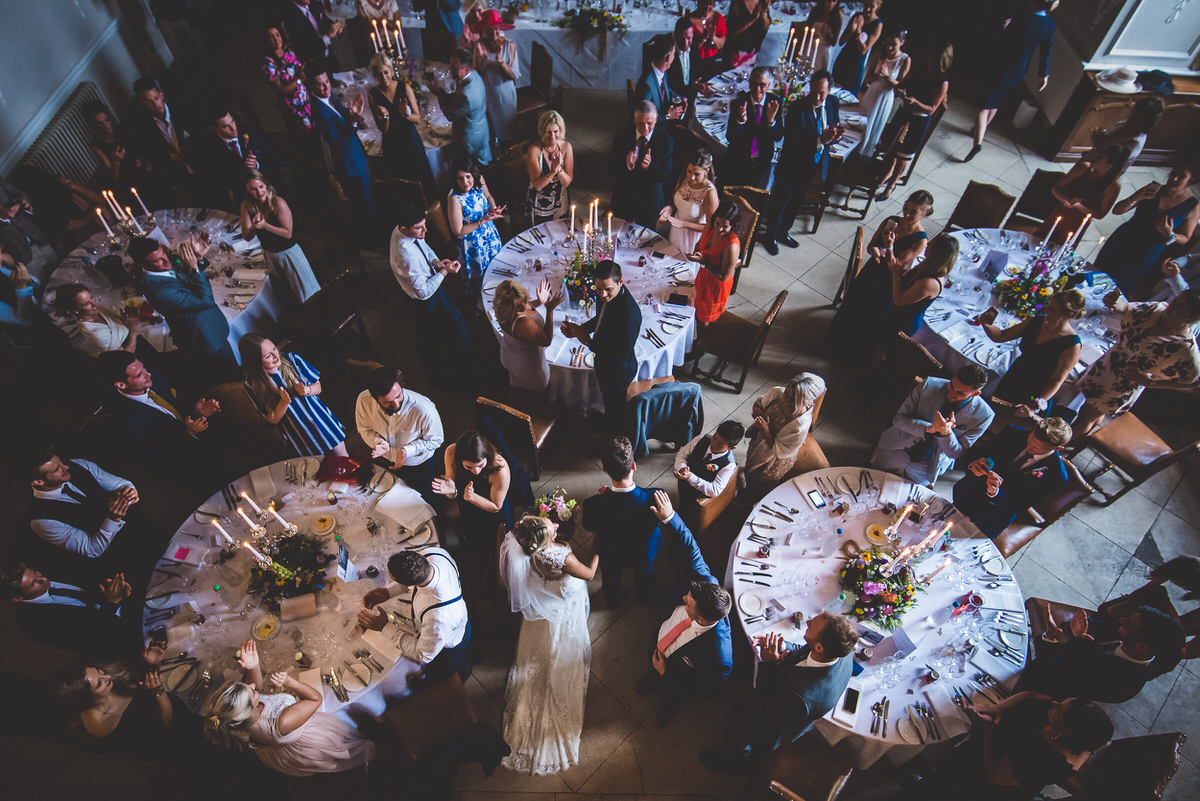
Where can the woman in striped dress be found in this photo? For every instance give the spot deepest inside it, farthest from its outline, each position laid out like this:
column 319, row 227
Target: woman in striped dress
column 284, row 390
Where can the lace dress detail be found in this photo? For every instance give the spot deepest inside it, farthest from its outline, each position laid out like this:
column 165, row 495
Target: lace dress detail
column 689, row 205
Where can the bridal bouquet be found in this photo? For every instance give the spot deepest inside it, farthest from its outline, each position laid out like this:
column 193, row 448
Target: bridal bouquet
column 881, row 599
column 558, row 507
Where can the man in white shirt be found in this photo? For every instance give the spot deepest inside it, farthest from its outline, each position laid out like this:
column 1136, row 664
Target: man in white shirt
column 443, row 341
column 402, row 428
column 76, row 505
column 424, row 613
column 69, row 616
column 705, row 465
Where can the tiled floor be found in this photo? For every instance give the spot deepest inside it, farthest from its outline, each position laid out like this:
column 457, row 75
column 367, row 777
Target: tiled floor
column 1094, row 554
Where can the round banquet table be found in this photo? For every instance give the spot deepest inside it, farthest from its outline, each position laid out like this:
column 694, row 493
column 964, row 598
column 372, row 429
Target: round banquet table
column 202, row 602
column 666, row 271
column 949, row 335
column 238, row 273
column 803, row 570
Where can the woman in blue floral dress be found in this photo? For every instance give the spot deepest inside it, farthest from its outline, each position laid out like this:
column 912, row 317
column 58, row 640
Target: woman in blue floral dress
column 472, row 212
column 286, row 73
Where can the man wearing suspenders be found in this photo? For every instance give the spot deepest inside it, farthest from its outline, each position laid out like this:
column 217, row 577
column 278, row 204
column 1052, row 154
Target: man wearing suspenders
column 425, row 613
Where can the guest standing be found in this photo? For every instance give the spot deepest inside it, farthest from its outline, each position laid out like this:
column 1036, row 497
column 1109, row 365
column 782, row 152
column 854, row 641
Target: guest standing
column 654, row 85
column 394, row 106
column 479, row 478
column 402, row 428
column 923, row 93
column 1091, row 187
column 693, row 203
column 472, row 219
column 285, row 389
column 285, row 71
column 914, row 290
column 495, row 59
column 710, row 32
column 860, row 36
column 269, row 217
column 466, row 108
column 888, row 67
column 718, row 252
column 525, row 333
column 550, row 163
column 1049, row 346
column 827, row 17
column 642, row 161
column 755, row 125
column 1130, row 133
column 311, row 32
column 782, row 419
column 338, row 126
column 746, row 27
column 443, row 27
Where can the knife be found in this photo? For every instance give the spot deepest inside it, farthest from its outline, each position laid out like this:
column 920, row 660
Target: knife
column 887, row 706
column 913, row 719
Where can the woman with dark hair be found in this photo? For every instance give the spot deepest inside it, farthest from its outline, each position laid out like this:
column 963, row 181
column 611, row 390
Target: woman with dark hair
column 922, row 92
column 1130, row 133
column 827, row 17
column 285, row 71
column 100, row 328
column 913, row 290
column 472, row 219
column 860, row 36
column 710, row 32
column 394, row 106
column 268, row 217
column 105, row 143
column 1090, row 187
column 693, row 202
column 479, row 477
column 718, row 253
column 285, row 389
column 1050, row 348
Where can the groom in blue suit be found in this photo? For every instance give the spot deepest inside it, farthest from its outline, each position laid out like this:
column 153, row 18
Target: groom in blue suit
column 338, row 126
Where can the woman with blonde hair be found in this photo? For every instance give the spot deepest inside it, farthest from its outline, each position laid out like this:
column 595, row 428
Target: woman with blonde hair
column 547, row 684
column 286, row 731
column 268, row 216
column 397, row 113
column 285, row 389
column 550, row 163
column 693, row 203
column 526, row 334
column 782, row 418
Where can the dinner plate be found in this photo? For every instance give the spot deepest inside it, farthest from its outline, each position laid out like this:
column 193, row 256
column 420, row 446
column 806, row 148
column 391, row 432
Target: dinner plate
column 423, row 536
column 906, row 730
column 874, row 535
column 266, row 627
column 161, row 600
column 324, row 524
column 589, row 359
column 314, row 466
column 995, row 566
column 1014, row 641
column 180, row 678
column 355, row 676
column 670, row 328
column 386, row 481
column 762, row 526
column 751, row 603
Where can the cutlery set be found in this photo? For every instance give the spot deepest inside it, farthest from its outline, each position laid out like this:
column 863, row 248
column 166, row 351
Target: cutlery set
column 578, row 355
column 768, row 615
column 778, row 515
column 653, row 337
column 989, row 682
column 879, row 717
column 334, row 681
column 294, row 476
column 201, row 686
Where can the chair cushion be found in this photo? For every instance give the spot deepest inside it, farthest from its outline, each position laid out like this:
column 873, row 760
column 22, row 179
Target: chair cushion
column 526, row 103
column 1129, row 443
column 811, row 456
column 729, row 337
column 1016, row 537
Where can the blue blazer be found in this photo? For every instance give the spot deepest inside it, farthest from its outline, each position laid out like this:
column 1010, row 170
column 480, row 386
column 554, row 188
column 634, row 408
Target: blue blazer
column 626, row 529
column 185, row 300
column 349, row 158
column 649, row 88
column 800, row 140
column 466, row 109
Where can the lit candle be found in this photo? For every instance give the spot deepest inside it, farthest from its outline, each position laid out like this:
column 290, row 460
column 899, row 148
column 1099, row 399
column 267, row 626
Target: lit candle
column 136, row 225
column 804, row 42
column 573, row 219
column 375, row 30
column 255, row 553
column 224, row 533
column 275, row 514
column 400, row 36
column 249, row 522
column 145, row 210
column 610, row 225
column 1046, row 241
column 1063, row 249
column 112, row 204
column 945, row 563
column 104, row 222
column 374, row 41
column 812, row 45
column 1079, row 233
column 1095, row 250
column 387, row 40
column 253, row 505
column 787, row 47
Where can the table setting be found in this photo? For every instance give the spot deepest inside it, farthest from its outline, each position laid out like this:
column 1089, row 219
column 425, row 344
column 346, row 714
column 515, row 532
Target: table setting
column 940, row 615
column 657, row 274
column 283, row 556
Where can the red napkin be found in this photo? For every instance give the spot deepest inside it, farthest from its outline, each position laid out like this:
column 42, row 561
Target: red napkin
column 338, row 468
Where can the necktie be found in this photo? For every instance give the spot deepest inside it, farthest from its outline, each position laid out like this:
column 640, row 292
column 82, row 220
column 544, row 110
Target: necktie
column 671, row 636
column 67, row 591
column 234, row 148
column 820, row 112
column 71, row 492
column 662, row 90
column 311, row 18
column 161, row 401
column 754, row 138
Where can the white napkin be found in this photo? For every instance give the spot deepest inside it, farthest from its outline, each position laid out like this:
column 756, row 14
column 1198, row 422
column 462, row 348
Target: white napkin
column 961, row 331
column 1003, row 599
column 249, row 274
column 1089, row 354
column 382, row 646
column 312, row 678
column 950, row 718
column 262, row 485
column 404, row 506
column 994, row 665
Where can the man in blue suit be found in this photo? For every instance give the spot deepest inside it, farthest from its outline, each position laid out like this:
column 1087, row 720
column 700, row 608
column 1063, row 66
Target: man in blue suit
column 338, row 126
column 466, row 108
column 1019, row 468
column 812, row 125
column 755, row 125
column 655, row 85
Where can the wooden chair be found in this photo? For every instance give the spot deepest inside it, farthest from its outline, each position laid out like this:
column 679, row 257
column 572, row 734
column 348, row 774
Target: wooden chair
column 539, row 95
column 700, row 513
column 864, row 172
column 759, row 200
column 746, row 229
column 933, row 124
column 1046, row 512
column 981, row 206
column 811, row 456
column 439, row 237
column 734, row 339
column 804, row 770
column 425, row 718
column 507, row 180
column 1036, row 202
column 1130, row 768
column 522, row 430
column 853, row 265
column 1129, row 445
column 908, row 363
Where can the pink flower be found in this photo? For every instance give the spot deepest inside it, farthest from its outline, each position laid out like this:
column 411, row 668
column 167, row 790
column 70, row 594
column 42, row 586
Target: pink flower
column 873, row 587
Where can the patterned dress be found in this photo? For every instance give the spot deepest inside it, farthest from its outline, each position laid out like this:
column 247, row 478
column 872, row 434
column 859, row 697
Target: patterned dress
column 477, row 249
column 288, row 68
column 308, row 427
column 1112, row 384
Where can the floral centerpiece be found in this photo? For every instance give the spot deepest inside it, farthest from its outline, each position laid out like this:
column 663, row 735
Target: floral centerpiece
column 1027, row 294
column 558, row 507
column 882, row 599
column 589, row 22
column 297, row 568
column 581, row 280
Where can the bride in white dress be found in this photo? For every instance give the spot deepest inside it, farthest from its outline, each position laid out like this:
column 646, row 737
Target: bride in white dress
column 693, row 203
column 547, row 684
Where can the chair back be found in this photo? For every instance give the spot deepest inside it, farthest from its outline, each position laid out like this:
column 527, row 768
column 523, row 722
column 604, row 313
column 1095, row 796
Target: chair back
column 811, row 455
column 746, row 229
column 328, row 315
column 520, row 492
column 807, row 769
column 638, row 387
column 1036, row 202
column 704, row 511
column 541, row 71
column 392, row 194
column 765, row 327
column 853, row 264
column 934, row 119
column 981, row 206
column 439, row 229
column 630, row 98
column 1130, row 768
column 908, row 363
column 507, row 180
column 514, row 425
column 425, row 718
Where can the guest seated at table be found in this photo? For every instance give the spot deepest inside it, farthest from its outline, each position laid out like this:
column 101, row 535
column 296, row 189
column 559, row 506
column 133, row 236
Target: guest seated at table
column 1100, row 660
column 747, row 26
column 479, row 478
column 1049, row 350
column 1130, row 133
column 705, row 465
column 755, row 125
column 22, row 240
column 938, row 423
column 718, row 252
column 914, row 290
column 550, row 162
column 826, row 17
column 710, row 32
column 1016, row 469
column 99, row 620
column 922, row 93
column 857, row 40
column 99, row 328
column 286, row 730
column 443, row 341
column 1155, row 348
column 782, row 418
column 1184, row 573
column 858, row 327
column 285, row 389
column 466, row 108
column 472, row 215
column 1091, row 187
column 428, row 593
column 1164, row 215
column 220, row 156
column 338, row 126
column 268, row 217
column 693, row 203
column 402, row 428
column 613, row 343
column 642, row 161
column 886, row 68
column 285, row 72
column 17, row 305
column 1022, row 744
column 797, row 685
column 494, row 57
column 177, row 286
column 397, row 114
column 526, row 335
column 653, row 86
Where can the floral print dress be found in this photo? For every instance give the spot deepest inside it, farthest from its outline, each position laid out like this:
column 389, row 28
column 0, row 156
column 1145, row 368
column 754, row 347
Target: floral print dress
column 477, row 249
column 1113, row 383
column 288, row 68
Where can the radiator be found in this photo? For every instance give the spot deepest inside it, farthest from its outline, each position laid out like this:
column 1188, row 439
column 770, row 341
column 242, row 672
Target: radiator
column 62, row 147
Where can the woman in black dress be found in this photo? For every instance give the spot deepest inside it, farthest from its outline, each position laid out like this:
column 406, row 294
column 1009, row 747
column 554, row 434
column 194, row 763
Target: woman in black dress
column 396, row 111
column 1049, row 349
column 479, row 477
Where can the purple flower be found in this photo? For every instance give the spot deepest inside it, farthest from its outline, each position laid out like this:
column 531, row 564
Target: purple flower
column 871, row 613
column 873, row 587
column 887, row 610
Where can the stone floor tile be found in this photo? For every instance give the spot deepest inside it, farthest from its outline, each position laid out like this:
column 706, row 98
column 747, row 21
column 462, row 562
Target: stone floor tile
column 1124, row 523
column 1185, row 786
column 1081, row 558
column 1146, row 706
column 1180, row 712
column 1175, row 536
column 1040, row 582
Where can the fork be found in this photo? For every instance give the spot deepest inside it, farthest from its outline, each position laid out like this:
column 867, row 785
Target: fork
column 368, row 659
column 205, row 680
column 768, row 614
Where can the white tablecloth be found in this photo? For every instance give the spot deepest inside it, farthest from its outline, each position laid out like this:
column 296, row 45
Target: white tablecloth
column 804, row 576
column 228, row 252
column 329, row 637
column 651, row 285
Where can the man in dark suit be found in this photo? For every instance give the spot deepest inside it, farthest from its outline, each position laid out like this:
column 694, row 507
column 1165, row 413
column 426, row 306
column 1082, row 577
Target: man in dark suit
column 611, row 335
column 22, row 240
column 755, row 125
column 310, row 31
column 655, row 86
column 796, row 686
column 153, row 135
column 338, row 126
column 642, row 161
column 221, row 155
column 1096, row 660
column 1017, row 469
column 812, row 125
column 683, row 76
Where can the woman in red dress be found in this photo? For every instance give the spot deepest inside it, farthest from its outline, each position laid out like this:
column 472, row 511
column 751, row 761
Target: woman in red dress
column 718, row 252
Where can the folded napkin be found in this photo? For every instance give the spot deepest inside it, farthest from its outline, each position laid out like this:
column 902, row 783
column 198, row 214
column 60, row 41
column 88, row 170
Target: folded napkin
column 312, row 678
column 1089, row 354
column 262, row 485
column 997, row 667
column 404, row 506
column 960, row 331
column 382, row 646
column 299, row 607
column 1004, row 599
column 951, row 720
column 249, row 274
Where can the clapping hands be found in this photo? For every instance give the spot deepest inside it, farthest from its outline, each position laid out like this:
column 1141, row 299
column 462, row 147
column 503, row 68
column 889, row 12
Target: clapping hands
column 115, row 589
column 249, row 658
column 548, row 296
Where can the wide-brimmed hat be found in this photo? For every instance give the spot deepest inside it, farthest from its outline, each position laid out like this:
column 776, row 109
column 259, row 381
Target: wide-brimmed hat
column 491, row 19
column 1121, row 80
